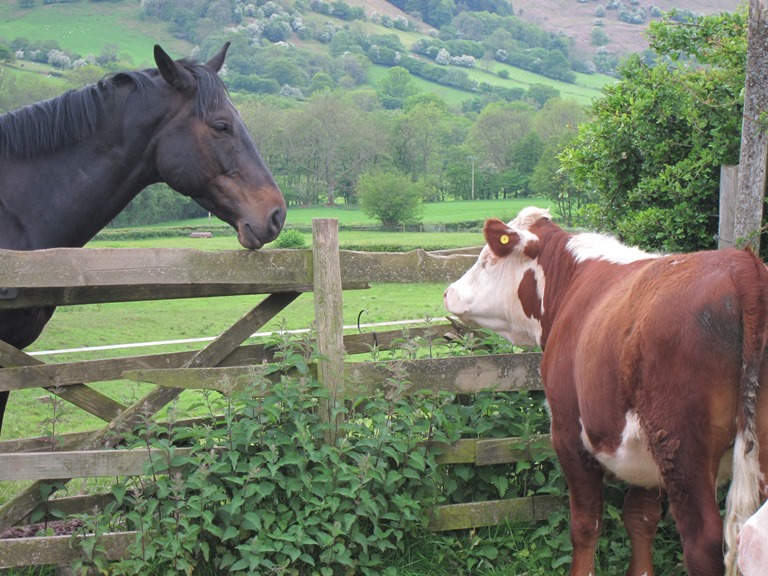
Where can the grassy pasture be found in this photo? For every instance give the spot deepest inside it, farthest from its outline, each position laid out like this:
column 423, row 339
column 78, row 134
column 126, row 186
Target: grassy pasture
column 449, row 212
column 584, row 91
column 85, row 28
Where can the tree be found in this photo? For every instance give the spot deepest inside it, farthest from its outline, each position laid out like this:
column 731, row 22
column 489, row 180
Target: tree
column 390, row 197
column 395, row 87
column 420, row 134
column 331, row 142
column 497, row 128
column 651, row 155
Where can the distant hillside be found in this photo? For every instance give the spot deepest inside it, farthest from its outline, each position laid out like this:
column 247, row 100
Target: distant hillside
column 576, row 18
column 292, row 48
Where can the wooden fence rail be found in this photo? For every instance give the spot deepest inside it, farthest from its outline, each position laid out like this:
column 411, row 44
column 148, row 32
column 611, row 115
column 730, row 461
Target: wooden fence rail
column 82, row 276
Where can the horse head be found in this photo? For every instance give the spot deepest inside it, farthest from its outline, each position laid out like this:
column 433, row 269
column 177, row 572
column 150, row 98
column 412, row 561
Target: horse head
column 204, row 151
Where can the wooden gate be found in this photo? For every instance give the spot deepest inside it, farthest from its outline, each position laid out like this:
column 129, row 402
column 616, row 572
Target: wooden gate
column 81, row 276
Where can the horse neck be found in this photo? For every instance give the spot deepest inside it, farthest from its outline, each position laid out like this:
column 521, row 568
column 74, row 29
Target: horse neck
column 77, row 191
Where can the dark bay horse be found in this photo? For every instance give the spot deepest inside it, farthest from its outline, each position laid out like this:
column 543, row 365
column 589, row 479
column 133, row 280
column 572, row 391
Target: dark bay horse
column 69, row 165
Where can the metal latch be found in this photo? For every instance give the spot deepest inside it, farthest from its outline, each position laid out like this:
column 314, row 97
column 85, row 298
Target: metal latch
column 8, row 293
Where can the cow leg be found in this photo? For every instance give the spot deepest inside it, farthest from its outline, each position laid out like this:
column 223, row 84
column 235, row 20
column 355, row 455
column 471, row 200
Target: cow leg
column 698, row 520
column 585, row 487
column 586, row 503
column 641, row 514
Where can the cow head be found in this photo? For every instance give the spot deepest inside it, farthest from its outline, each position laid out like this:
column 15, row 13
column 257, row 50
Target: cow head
column 504, row 290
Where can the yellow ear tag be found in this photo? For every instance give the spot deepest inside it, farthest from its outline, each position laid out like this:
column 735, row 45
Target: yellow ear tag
column 504, row 239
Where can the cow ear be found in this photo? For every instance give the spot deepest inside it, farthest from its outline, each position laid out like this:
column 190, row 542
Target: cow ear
column 501, row 238
column 172, row 72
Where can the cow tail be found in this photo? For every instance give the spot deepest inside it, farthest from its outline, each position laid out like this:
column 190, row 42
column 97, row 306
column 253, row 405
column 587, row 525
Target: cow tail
column 743, row 498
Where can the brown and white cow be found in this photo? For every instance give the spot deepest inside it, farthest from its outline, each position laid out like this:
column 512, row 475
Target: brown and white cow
column 652, row 368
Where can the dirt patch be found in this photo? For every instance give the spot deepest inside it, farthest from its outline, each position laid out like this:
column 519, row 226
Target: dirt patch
column 576, row 19
column 383, row 7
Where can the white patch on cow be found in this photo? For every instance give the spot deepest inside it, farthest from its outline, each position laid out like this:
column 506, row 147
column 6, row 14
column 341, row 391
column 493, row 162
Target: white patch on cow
column 528, row 216
column 541, row 282
column 753, row 544
column 631, row 462
column 589, row 246
column 488, row 294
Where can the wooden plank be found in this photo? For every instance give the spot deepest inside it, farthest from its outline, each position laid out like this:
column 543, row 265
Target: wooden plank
column 44, row 443
column 77, row 393
column 508, row 450
column 462, row 375
column 460, row 452
column 68, row 373
column 80, row 464
column 366, row 341
column 403, row 267
column 488, row 452
column 215, row 352
column 70, row 296
column 58, row 508
column 112, row 267
column 73, row 440
column 90, row 400
column 458, row 375
column 59, row 550
column 495, row 512
column 222, row 379
column 70, row 276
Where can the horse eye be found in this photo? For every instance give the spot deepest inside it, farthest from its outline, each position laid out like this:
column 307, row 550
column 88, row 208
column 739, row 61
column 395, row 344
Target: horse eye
column 221, row 127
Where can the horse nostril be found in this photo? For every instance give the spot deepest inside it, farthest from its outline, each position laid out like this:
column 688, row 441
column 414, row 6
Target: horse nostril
column 276, row 220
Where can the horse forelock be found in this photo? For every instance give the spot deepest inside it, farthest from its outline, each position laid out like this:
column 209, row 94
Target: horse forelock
column 211, row 92
column 73, row 116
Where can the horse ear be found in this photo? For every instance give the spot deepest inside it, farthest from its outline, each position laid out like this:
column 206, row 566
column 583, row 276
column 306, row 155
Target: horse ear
column 171, row 72
column 217, row 61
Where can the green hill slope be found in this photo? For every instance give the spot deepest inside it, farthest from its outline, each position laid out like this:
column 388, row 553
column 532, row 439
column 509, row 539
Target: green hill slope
column 120, row 28
column 84, row 28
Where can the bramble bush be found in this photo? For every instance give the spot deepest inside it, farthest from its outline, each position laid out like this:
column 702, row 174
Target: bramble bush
column 263, row 492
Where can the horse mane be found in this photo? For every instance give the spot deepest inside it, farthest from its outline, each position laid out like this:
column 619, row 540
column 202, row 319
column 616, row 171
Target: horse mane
column 70, row 118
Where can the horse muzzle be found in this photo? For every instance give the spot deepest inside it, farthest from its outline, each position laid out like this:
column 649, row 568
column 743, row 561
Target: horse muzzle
column 253, row 236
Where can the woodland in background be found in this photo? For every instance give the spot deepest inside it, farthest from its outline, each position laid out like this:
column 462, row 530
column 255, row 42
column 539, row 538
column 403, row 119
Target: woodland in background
column 643, row 162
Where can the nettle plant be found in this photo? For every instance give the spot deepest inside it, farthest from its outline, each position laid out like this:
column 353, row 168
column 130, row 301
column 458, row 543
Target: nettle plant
column 263, row 492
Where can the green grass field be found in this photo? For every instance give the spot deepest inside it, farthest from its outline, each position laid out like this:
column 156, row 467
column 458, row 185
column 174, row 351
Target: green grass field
column 87, row 27
column 449, row 212
column 435, row 214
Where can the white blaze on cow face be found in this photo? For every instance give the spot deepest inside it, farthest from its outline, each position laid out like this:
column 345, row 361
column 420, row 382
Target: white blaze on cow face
column 490, row 292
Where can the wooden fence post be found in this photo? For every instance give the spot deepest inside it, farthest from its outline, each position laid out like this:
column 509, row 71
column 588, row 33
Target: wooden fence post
column 754, row 139
column 329, row 321
column 729, row 190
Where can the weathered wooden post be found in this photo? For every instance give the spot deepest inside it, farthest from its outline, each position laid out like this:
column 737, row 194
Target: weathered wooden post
column 329, row 321
column 754, row 138
column 729, row 187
